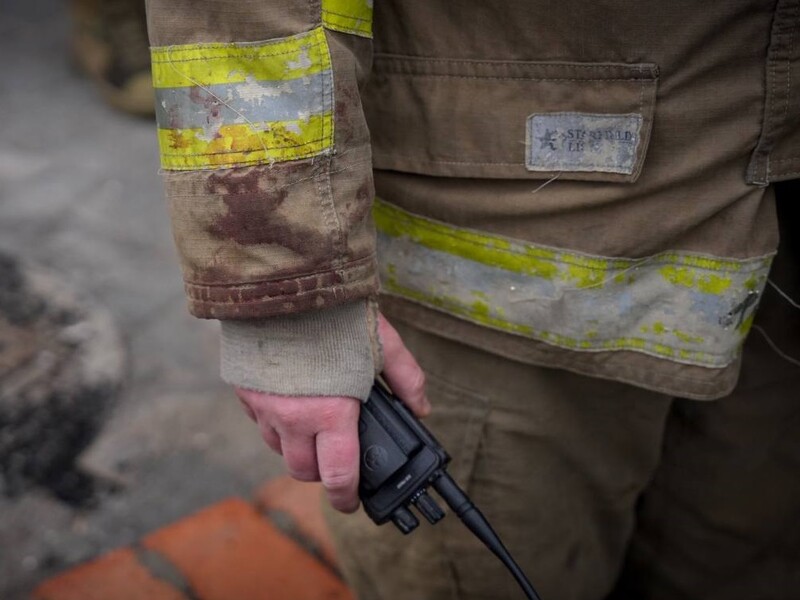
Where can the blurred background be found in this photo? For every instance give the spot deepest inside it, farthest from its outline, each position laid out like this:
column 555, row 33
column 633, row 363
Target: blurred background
column 113, row 421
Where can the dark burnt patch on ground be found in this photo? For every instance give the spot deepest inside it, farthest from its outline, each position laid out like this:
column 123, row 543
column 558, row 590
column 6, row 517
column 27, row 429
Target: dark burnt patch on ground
column 60, row 367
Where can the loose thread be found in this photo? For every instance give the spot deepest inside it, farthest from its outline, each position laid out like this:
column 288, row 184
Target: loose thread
column 783, row 294
column 548, row 182
column 577, row 288
column 775, row 348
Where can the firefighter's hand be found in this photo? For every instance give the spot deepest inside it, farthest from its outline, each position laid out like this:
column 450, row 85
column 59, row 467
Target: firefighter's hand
column 318, row 435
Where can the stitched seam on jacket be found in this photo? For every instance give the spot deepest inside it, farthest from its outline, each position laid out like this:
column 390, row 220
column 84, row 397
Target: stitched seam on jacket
column 494, row 77
column 467, row 162
column 265, row 297
column 398, row 58
column 644, row 140
column 358, row 24
column 780, row 173
column 317, row 141
column 325, row 186
column 766, row 142
column 316, row 170
column 350, row 265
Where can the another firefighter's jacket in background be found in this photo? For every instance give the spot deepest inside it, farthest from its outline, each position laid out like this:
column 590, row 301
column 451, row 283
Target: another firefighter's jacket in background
column 582, row 185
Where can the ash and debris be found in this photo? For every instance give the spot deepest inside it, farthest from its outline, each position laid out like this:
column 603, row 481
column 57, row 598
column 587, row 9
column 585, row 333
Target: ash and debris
column 61, row 365
column 102, row 464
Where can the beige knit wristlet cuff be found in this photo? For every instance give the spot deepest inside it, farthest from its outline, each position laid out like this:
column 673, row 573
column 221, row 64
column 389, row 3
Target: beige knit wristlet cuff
column 322, row 353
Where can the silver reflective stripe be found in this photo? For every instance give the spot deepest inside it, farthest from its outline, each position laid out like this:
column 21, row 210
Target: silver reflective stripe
column 242, row 102
column 226, row 105
column 686, row 307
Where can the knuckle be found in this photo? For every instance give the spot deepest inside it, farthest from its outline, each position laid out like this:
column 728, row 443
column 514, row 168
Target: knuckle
column 300, row 464
column 344, row 505
column 303, row 474
column 338, row 480
column 329, row 415
column 418, row 384
column 291, row 417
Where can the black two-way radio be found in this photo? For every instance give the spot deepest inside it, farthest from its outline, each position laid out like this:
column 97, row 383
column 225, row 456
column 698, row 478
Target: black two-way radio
column 400, row 458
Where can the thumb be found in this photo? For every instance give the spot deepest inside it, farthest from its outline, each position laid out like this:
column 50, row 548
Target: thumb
column 401, row 370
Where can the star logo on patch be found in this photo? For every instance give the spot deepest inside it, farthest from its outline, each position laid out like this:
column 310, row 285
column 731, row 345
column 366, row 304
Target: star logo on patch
column 548, row 140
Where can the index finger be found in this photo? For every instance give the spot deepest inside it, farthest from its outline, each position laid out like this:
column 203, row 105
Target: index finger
column 402, row 371
column 338, row 458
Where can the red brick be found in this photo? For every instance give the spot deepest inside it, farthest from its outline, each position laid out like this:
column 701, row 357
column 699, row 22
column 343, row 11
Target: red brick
column 228, row 551
column 301, row 501
column 116, row 575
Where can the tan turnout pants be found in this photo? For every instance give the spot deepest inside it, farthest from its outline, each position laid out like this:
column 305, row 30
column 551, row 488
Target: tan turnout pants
column 602, row 490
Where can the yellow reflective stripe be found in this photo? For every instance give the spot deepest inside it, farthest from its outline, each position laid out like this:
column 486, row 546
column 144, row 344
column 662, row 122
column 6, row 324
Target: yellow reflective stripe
column 216, row 64
column 229, row 105
column 239, row 145
column 687, row 308
column 534, row 259
column 348, row 16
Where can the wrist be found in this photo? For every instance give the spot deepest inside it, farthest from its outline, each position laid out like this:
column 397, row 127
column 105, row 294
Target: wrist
column 331, row 352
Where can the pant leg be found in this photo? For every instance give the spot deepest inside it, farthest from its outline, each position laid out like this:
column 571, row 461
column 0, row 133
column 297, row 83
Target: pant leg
column 556, row 461
column 722, row 518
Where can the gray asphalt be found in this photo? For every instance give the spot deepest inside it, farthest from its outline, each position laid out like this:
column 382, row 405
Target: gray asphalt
column 80, row 194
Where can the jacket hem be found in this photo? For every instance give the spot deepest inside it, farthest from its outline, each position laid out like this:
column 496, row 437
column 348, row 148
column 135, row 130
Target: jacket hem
column 263, row 299
column 643, row 371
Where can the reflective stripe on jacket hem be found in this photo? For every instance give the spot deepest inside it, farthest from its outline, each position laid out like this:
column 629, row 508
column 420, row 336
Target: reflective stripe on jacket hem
column 687, row 307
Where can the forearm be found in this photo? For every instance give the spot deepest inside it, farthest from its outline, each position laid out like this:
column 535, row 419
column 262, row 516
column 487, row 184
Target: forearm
column 265, row 154
column 267, row 169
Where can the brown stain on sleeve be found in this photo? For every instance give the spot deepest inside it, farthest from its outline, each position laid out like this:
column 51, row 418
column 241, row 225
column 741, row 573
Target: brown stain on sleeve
column 253, row 200
column 280, row 206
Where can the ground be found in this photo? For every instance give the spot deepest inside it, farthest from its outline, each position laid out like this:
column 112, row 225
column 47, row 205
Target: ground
column 80, row 194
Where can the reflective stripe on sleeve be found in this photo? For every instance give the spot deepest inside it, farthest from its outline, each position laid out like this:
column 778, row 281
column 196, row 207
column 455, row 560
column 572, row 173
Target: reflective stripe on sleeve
column 348, row 16
column 683, row 306
column 228, row 105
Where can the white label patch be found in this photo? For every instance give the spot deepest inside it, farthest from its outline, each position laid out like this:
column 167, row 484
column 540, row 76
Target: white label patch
column 584, row 142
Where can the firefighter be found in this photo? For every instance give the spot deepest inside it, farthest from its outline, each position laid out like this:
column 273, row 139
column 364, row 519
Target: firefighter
column 570, row 208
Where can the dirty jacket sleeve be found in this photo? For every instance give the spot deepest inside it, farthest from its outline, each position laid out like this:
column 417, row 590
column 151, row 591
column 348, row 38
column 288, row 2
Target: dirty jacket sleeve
column 267, row 168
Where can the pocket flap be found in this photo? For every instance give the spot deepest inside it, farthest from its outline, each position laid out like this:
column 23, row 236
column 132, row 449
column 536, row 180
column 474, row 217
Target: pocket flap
column 511, row 119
